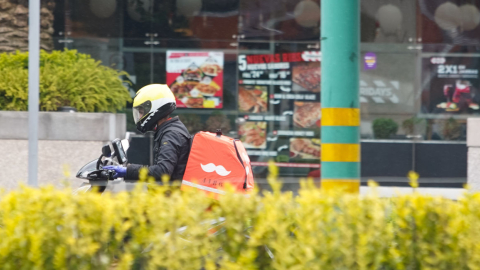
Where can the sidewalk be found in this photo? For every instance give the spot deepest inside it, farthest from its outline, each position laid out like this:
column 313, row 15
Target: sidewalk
column 450, row 193
column 388, row 186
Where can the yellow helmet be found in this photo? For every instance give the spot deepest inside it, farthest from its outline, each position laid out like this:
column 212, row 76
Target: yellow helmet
column 152, row 103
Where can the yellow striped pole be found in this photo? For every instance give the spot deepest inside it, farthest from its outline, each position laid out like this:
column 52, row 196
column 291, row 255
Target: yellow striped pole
column 340, row 96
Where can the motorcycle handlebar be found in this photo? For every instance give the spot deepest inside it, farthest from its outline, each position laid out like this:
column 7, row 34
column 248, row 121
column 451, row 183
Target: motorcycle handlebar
column 105, row 174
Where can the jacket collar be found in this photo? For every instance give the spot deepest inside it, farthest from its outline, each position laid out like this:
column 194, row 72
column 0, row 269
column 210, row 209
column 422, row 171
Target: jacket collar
column 164, row 125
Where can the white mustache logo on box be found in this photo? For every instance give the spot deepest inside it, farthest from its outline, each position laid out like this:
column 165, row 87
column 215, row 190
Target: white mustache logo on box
column 220, row 170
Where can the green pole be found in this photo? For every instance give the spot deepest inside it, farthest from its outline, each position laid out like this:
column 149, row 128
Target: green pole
column 340, row 133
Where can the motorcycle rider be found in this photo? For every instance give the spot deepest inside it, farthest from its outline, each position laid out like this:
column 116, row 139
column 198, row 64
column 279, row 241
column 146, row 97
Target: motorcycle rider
column 152, row 107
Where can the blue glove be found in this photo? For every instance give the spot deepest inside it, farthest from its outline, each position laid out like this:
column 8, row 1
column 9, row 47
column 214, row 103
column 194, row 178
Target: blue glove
column 120, row 171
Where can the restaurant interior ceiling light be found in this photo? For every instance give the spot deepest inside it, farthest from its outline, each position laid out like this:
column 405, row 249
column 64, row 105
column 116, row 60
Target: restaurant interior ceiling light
column 448, row 16
column 103, row 8
column 390, row 18
column 133, row 12
column 189, row 8
column 470, row 17
column 307, row 13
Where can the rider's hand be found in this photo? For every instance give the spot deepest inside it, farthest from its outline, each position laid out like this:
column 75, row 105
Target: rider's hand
column 119, row 170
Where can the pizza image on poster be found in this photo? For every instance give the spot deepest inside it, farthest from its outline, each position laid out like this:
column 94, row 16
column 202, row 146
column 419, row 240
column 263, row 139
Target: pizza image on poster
column 451, row 85
column 196, row 78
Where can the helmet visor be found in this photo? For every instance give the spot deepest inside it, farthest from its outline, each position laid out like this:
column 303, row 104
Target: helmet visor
column 141, row 110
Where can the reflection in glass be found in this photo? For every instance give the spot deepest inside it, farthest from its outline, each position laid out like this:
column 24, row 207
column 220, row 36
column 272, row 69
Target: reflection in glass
column 454, row 22
column 392, row 22
column 280, row 20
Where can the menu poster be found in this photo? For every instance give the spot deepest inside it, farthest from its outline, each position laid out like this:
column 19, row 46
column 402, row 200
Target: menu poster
column 279, row 96
column 451, row 85
column 196, row 78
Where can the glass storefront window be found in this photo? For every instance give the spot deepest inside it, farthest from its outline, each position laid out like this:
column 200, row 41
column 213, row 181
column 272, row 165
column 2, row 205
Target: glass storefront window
column 418, row 74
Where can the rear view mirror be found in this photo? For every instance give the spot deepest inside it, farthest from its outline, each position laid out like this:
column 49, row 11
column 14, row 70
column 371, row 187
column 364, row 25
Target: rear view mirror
column 106, row 151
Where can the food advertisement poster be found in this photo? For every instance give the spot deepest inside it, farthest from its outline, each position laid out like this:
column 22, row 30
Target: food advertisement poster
column 280, row 108
column 196, row 78
column 450, row 85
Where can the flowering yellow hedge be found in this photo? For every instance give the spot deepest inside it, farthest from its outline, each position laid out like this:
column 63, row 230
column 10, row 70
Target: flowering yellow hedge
column 155, row 229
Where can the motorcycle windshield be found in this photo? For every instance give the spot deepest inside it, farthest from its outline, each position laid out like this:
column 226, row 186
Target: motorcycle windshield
column 85, row 170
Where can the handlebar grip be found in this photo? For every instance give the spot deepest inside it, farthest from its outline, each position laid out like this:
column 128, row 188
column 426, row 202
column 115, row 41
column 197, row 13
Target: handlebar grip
column 106, row 175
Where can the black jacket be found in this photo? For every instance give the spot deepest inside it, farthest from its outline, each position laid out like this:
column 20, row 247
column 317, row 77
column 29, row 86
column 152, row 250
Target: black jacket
column 170, row 152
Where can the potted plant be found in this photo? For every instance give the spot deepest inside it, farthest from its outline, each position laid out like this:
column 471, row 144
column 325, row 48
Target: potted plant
column 452, row 129
column 410, row 124
column 383, row 128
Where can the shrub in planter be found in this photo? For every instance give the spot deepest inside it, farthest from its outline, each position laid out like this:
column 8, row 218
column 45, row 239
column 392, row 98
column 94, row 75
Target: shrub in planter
column 53, row 229
column 452, row 129
column 383, row 128
column 410, row 124
column 67, row 78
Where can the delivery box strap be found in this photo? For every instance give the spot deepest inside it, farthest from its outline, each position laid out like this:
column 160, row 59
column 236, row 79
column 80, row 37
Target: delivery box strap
column 214, row 190
column 241, row 162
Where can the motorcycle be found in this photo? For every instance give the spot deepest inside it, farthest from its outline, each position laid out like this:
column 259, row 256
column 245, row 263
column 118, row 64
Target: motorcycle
column 101, row 180
column 98, row 179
